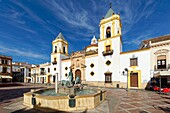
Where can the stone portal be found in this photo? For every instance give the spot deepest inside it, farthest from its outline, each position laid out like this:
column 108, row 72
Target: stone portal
column 78, row 64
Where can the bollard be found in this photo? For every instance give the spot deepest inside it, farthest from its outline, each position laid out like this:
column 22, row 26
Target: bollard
column 33, row 100
column 72, row 101
column 100, row 95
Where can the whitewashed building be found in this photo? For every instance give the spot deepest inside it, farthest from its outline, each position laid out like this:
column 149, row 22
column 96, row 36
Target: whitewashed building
column 103, row 63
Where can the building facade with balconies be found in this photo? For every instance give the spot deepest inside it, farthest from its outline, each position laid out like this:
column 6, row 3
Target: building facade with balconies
column 21, row 71
column 160, row 58
column 5, row 69
column 35, row 74
column 41, row 73
column 103, row 63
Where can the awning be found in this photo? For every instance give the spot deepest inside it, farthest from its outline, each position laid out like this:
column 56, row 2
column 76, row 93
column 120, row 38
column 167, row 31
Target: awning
column 161, row 73
column 3, row 76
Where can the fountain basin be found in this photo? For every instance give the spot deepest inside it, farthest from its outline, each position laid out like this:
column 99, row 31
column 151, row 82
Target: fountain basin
column 64, row 102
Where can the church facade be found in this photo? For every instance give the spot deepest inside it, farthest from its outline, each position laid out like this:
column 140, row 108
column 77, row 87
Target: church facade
column 103, row 63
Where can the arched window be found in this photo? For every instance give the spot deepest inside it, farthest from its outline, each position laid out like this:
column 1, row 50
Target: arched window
column 64, row 50
column 108, row 32
column 55, row 51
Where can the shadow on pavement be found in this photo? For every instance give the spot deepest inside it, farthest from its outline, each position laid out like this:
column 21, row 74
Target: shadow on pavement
column 43, row 110
column 7, row 94
column 10, row 84
column 165, row 109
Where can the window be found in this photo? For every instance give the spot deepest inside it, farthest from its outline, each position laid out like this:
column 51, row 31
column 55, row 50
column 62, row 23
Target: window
column 108, row 78
column 66, row 75
column 108, row 32
column 54, row 69
column 92, row 73
column 108, row 48
column 161, row 62
column 44, row 79
column 37, row 79
column 55, row 51
column 133, row 62
column 4, row 70
column 108, row 62
column 53, row 78
column 48, row 70
column 64, row 51
column 4, row 61
column 54, row 62
column 54, row 59
column 92, row 65
column 66, row 68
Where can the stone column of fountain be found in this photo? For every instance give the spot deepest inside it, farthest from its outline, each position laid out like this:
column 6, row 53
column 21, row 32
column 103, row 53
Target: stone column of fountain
column 56, row 83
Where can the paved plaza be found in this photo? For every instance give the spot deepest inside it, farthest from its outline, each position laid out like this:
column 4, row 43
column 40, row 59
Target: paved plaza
column 117, row 101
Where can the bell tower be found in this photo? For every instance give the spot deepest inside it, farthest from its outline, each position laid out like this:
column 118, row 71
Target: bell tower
column 110, row 45
column 110, row 25
column 60, row 45
column 59, row 51
column 110, row 33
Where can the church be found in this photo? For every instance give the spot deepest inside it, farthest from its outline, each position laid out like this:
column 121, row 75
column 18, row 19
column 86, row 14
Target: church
column 103, row 63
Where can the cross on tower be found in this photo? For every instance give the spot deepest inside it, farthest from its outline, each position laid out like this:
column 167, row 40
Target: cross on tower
column 110, row 5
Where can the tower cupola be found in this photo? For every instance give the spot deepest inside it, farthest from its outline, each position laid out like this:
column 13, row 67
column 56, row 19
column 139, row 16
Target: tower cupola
column 60, row 45
column 110, row 25
column 94, row 40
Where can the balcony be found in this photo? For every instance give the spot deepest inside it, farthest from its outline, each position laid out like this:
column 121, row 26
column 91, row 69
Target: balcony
column 54, row 62
column 55, row 51
column 108, row 52
column 42, row 73
column 162, row 69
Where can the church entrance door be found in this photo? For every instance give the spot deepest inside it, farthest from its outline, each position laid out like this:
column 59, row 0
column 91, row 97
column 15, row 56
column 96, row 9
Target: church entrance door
column 78, row 74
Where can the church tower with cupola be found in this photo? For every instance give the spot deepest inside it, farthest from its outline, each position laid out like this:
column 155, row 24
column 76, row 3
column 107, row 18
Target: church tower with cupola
column 59, row 52
column 110, row 45
column 110, row 29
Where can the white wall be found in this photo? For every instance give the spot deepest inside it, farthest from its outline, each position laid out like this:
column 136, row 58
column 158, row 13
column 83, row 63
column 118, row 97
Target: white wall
column 155, row 49
column 114, row 58
column 64, row 65
column 88, row 62
column 143, row 65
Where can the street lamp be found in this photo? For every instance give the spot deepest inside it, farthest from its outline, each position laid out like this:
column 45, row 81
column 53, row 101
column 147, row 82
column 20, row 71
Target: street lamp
column 160, row 84
column 126, row 69
column 56, row 83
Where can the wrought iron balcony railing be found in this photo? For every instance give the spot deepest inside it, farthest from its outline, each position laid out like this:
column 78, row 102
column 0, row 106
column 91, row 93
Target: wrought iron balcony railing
column 108, row 52
column 54, row 62
column 42, row 73
column 156, row 68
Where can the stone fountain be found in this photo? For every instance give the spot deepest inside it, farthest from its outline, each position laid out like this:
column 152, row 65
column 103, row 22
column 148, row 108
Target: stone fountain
column 67, row 96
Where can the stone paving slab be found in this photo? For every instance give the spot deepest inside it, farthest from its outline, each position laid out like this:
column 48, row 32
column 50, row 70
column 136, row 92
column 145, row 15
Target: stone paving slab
column 117, row 101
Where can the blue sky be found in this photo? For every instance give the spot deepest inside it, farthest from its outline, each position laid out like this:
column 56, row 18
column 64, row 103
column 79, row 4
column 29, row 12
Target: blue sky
column 27, row 27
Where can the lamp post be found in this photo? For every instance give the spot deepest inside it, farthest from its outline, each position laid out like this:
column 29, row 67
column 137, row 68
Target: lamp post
column 127, row 78
column 56, row 82
column 160, row 84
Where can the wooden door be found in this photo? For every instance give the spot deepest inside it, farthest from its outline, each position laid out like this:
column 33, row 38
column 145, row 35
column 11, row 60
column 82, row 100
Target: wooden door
column 134, row 80
column 77, row 74
column 48, row 79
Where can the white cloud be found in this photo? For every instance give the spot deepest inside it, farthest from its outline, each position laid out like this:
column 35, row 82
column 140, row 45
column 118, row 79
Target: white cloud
column 138, row 40
column 74, row 15
column 23, row 53
column 134, row 11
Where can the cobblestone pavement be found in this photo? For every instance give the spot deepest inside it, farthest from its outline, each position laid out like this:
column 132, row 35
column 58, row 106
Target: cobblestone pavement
column 117, row 101
column 141, row 101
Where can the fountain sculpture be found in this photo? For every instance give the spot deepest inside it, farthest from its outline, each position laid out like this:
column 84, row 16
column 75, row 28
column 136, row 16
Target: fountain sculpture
column 67, row 96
